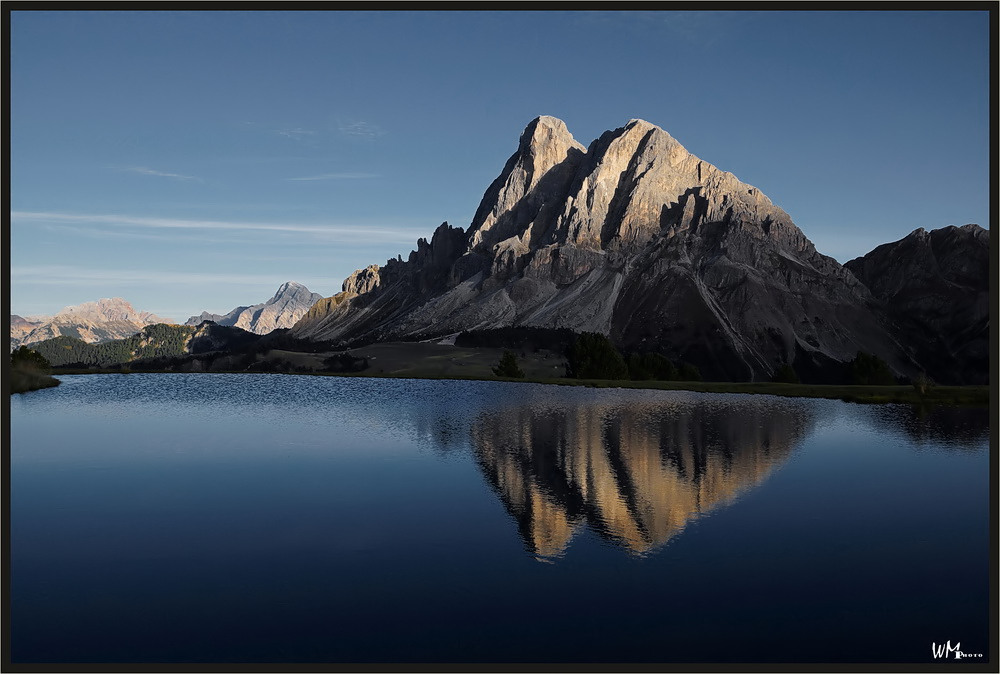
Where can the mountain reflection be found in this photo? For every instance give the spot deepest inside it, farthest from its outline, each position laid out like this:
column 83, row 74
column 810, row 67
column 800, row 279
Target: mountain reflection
column 961, row 429
column 635, row 473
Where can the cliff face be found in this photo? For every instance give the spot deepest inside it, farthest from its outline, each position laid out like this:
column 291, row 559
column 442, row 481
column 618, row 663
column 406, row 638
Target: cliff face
column 935, row 287
column 93, row 322
column 638, row 239
column 290, row 302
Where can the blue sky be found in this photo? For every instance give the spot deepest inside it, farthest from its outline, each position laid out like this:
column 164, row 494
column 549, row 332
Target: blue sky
column 192, row 161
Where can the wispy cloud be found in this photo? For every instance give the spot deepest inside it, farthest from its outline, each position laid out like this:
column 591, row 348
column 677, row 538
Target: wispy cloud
column 298, row 133
column 338, row 176
column 173, row 237
column 162, row 174
column 338, row 233
column 63, row 274
column 360, row 129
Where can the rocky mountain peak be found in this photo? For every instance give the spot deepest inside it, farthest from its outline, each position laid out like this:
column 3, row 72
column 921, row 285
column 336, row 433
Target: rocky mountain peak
column 363, row 280
column 633, row 237
column 107, row 309
column 935, row 286
column 93, row 322
column 289, row 286
column 285, row 307
column 291, row 291
column 545, row 132
column 525, row 194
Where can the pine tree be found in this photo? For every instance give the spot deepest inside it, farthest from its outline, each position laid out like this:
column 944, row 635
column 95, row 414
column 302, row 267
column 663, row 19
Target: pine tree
column 508, row 367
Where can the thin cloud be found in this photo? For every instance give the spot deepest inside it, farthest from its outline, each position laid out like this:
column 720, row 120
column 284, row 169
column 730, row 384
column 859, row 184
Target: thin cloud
column 337, row 176
column 360, row 129
column 297, row 133
column 64, row 274
column 350, row 234
column 162, row 174
column 171, row 238
column 175, row 238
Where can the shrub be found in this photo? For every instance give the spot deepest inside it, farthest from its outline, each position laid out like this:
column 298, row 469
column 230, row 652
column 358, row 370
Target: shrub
column 868, row 369
column 345, row 362
column 651, row 366
column 922, row 383
column 508, row 367
column 593, row 356
column 29, row 371
column 29, row 359
column 786, row 374
column 688, row 372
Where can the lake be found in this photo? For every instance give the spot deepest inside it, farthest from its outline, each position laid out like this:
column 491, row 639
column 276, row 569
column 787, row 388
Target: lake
column 272, row 518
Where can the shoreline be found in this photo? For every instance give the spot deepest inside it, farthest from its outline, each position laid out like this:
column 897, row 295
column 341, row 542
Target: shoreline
column 955, row 396
column 25, row 382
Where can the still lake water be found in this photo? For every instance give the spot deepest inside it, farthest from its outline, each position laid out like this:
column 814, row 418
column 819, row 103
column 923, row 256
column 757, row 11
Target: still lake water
column 274, row 518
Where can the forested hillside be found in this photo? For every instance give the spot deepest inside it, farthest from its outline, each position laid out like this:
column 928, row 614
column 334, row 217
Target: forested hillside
column 154, row 341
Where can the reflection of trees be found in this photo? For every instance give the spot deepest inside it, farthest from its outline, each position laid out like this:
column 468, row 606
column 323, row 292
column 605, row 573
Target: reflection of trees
column 960, row 428
column 636, row 474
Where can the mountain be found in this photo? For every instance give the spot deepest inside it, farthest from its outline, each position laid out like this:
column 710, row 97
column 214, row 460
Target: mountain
column 151, row 342
column 21, row 327
column 207, row 347
column 935, row 287
column 633, row 237
column 287, row 306
column 91, row 322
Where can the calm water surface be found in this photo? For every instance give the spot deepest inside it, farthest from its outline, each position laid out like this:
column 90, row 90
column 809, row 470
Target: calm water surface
column 273, row 518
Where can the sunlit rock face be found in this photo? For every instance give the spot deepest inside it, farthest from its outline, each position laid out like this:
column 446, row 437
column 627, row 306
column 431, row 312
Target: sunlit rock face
column 633, row 237
column 288, row 304
column 636, row 474
column 93, row 322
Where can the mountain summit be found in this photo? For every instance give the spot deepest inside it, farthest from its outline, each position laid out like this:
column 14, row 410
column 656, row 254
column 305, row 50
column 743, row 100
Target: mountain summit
column 633, row 237
column 93, row 322
column 935, row 287
column 285, row 307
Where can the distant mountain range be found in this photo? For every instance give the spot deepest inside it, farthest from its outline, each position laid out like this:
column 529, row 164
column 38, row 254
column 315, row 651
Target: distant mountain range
column 290, row 302
column 111, row 319
column 93, row 322
column 636, row 238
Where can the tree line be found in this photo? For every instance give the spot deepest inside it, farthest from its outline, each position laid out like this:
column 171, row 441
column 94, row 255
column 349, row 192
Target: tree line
column 591, row 355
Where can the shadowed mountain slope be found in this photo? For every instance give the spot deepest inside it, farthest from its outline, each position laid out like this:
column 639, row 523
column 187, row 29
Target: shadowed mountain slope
column 935, row 287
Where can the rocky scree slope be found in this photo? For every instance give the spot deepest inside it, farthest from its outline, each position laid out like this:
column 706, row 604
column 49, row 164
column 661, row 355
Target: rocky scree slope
column 633, row 237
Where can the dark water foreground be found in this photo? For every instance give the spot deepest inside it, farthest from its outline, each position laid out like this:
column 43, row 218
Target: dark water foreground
column 270, row 518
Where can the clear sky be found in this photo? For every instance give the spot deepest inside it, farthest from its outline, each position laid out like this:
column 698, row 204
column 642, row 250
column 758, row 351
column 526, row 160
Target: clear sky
column 193, row 161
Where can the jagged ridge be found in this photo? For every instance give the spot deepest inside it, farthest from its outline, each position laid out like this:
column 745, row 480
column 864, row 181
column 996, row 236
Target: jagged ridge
column 92, row 322
column 289, row 303
column 633, row 237
column 935, row 287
